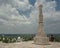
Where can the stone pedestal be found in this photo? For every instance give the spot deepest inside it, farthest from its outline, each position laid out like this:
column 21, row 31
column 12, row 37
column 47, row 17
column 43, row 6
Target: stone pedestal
column 41, row 40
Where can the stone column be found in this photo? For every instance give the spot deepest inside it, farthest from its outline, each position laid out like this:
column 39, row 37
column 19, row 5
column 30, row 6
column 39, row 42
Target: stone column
column 41, row 37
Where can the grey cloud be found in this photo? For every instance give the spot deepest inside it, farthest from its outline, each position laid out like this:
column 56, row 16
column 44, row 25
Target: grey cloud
column 11, row 21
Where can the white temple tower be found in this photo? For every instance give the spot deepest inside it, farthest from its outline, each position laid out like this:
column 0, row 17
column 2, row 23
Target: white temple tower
column 41, row 37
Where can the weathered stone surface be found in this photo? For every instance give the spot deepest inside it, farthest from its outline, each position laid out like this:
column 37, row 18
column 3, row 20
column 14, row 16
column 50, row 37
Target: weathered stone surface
column 29, row 44
column 41, row 40
column 41, row 37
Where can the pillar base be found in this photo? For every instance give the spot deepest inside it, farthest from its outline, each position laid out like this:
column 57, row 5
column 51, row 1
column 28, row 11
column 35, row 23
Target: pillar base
column 41, row 40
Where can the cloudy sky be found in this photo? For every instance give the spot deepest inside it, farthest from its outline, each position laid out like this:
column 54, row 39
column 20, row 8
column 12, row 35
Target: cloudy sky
column 21, row 16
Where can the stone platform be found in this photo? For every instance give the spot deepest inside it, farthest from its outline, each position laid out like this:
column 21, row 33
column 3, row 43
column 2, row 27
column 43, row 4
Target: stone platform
column 41, row 40
column 28, row 44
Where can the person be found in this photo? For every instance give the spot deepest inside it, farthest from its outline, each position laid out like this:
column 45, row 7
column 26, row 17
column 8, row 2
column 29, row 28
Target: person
column 51, row 38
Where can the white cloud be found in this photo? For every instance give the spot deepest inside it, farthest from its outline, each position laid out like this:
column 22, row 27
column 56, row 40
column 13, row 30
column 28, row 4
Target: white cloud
column 12, row 21
column 10, row 14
